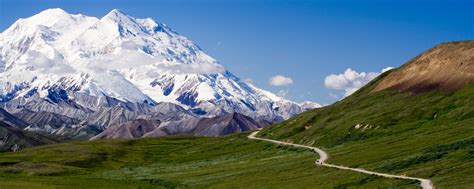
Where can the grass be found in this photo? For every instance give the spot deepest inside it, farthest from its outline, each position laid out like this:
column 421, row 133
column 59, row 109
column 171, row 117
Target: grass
column 428, row 135
column 177, row 162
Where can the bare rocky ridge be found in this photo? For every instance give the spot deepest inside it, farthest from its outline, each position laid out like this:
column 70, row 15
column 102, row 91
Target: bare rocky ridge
column 447, row 66
column 132, row 129
column 10, row 119
column 195, row 126
column 14, row 139
column 83, row 120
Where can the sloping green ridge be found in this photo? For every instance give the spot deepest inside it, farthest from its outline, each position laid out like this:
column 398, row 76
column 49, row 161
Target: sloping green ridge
column 428, row 135
column 177, row 162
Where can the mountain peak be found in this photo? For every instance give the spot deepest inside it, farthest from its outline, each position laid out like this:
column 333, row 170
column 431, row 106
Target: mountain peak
column 54, row 12
column 48, row 17
column 115, row 11
column 122, row 22
column 116, row 15
column 307, row 105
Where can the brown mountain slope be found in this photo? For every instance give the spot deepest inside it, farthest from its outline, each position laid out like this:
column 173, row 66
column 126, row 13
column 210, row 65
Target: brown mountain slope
column 132, row 129
column 447, row 66
column 195, row 126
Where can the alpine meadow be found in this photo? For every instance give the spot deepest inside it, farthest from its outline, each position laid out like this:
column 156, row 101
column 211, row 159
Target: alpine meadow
column 106, row 95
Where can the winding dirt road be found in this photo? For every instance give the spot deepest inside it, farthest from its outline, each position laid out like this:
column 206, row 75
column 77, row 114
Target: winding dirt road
column 323, row 156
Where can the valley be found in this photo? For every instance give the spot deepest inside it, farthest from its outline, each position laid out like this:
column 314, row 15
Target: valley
column 177, row 162
column 116, row 101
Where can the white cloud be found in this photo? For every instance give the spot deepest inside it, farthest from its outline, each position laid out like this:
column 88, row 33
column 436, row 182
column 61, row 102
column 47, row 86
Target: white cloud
column 130, row 59
column 156, row 65
column 45, row 65
column 282, row 93
column 332, row 95
column 350, row 81
column 248, row 80
column 280, row 80
column 196, row 68
column 177, row 68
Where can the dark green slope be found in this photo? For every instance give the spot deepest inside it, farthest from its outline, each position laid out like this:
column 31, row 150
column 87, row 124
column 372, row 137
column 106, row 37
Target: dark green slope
column 13, row 139
column 427, row 134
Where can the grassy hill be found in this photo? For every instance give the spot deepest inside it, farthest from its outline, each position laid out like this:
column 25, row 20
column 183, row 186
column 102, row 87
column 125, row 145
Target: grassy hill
column 176, row 162
column 427, row 134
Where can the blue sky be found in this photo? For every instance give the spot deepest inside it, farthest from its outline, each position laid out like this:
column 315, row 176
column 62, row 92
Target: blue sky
column 303, row 40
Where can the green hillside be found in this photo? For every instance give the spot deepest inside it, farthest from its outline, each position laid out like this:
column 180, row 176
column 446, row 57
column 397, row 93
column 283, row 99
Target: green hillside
column 428, row 135
column 225, row 162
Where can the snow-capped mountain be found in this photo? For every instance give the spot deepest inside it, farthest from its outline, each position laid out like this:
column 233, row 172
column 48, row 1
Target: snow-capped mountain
column 83, row 62
column 308, row 105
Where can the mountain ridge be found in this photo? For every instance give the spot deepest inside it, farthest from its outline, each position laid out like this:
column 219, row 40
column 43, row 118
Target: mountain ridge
column 129, row 51
column 194, row 126
column 119, row 60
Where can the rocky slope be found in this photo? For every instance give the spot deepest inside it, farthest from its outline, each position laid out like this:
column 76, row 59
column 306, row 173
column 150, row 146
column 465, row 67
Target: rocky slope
column 131, row 129
column 10, row 119
column 195, row 126
column 14, row 139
